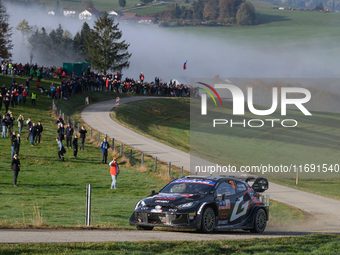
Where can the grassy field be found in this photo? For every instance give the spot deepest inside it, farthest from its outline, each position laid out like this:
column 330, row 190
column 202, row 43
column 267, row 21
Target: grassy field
column 52, row 193
column 313, row 244
column 172, row 127
column 100, row 5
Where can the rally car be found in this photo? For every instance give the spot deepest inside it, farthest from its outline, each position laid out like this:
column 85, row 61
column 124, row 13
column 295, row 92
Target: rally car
column 205, row 203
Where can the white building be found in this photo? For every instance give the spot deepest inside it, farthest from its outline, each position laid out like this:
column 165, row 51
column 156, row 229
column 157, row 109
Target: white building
column 89, row 13
column 69, row 12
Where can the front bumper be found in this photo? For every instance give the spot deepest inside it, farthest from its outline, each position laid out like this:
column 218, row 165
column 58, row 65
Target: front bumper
column 165, row 219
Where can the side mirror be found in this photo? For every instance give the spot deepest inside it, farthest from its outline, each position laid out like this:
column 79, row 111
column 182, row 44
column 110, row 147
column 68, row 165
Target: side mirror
column 153, row 192
column 223, row 196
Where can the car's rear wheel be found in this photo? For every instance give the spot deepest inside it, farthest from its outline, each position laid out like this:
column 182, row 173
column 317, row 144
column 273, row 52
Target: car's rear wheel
column 144, row 228
column 208, row 220
column 260, row 222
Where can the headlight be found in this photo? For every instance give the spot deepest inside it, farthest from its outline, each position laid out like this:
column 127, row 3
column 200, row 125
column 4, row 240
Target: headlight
column 140, row 203
column 187, row 205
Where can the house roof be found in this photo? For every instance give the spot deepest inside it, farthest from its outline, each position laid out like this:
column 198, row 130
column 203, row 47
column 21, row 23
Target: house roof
column 69, row 9
column 93, row 11
column 126, row 14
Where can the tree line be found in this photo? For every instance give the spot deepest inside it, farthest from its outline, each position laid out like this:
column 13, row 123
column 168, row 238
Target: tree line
column 100, row 45
column 223, row 11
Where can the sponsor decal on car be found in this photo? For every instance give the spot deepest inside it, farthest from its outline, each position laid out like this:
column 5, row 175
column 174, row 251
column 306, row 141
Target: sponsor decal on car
column 224, row 215
column 224, row 204
column 157, row 209
column 222, row 222
column 165, row 197
column 161, row 201
column 194, row 181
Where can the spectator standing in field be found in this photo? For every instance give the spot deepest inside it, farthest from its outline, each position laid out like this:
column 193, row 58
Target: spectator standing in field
column 1, row 98
column 20, row 121
column 61, row 132
column 82, row 137
column 32, row 73
column 33, row 97
column 69, row 134
column 28, row 128
column 4, row 122
column 24, row 95
column 61, row 149
column 75, row 145
column 27, row 85
column 114, row 171
column 40, row 129
column 6, row 102
column 15, row 169
column 10, row 124
column 33, row 133
column 104, row 147
column 59, row 121
column 18, row 144
column 13, row 144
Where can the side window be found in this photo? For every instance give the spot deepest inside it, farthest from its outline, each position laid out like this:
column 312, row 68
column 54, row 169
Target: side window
column 240, row 187
column 225, row 188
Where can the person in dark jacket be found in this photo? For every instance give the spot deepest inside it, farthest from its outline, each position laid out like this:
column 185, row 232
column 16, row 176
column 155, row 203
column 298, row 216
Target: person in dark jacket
column 75, row 145
column 10, row 124
column 16, row 169
column 33, row 131
column 14, row 142
column 69, row 134
column 61, row 132
column 104, row 147
column 82, row 137
column 18, row 144
column 61, row 149
column 40, row 129
column 6, row 102
column 59, row 121
column 28, row 127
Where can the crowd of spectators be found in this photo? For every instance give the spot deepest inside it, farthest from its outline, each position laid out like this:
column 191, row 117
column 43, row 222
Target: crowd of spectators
column 94, row 82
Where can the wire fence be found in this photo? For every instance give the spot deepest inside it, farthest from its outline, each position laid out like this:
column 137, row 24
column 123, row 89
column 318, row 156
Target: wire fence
column 126, row 153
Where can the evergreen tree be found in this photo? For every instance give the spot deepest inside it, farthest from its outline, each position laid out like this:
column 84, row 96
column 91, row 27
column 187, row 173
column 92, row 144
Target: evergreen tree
column 5, row 34
column 122, row 3
column 79, row 39
column 102, row 48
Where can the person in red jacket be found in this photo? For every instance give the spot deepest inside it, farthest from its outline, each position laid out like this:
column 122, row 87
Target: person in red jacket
column 114, row 171
column 24, row 95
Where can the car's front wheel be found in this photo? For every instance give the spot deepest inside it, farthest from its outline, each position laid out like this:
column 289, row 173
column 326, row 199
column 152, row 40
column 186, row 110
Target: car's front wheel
column 144, row 228
column 260, row 222
column 208, row 220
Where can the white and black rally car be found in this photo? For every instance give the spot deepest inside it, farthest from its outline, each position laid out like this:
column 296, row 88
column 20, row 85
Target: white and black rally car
column 205, row 203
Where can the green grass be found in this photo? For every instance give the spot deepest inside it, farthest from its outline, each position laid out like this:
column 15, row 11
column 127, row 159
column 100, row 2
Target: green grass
column 56, row 190
column 244, row 146
column 328, row 187
column 165, row 120
column 312, row 244
column 52, row 193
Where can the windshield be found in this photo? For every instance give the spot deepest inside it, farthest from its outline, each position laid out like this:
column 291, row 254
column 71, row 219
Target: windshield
column 189, row 186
